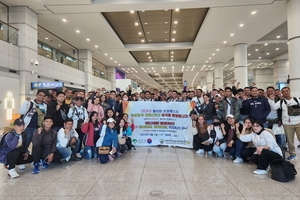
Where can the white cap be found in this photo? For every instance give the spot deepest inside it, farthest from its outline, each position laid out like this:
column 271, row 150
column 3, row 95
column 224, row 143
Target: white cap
column 217, row 95
column 111, row 120
column 229, row 115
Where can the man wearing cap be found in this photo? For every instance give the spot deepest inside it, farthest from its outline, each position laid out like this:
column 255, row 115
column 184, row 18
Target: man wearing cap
column 79, row 115
column 14, row 151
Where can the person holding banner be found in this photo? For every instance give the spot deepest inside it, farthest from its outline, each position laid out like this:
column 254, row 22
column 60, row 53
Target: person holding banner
column 202, row 140
column 123, row 133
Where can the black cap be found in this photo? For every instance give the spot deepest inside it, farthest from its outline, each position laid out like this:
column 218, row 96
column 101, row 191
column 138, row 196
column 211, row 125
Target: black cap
column 79, row 99
column 193, row 112
column 19, row 122
column 215, row 117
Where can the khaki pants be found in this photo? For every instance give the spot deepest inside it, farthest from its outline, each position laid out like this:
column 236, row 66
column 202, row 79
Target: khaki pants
column 290, row 133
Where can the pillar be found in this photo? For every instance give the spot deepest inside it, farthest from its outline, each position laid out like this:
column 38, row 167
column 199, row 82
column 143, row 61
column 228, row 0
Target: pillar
column 209, row 80
column 24, row 19
column 293, row 16
column 202, row 82
column 86, row 56
column 240, row 64
column 263, row 78
column 280, row 71
column 111, row 70
column 218, row 75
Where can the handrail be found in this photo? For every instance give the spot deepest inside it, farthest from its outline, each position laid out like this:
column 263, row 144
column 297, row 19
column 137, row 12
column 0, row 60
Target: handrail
column 9, row 25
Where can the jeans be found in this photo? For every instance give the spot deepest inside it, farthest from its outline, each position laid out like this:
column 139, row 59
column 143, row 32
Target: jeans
column 66, row 152
column 281, row 140
column 239, row 147
column 103, row 158
column 89, row 152
column 209, row 121
column 123, row 148
column 28, row 135
column 81, row 136
column 219, row 149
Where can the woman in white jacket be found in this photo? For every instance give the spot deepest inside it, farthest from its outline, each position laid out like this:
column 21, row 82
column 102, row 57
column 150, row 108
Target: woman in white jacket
column 266, row 147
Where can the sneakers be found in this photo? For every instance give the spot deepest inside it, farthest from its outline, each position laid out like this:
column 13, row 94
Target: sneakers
column 74, row 158
column 78, row 155
column 119, row 153
column 68, row 158
column 228, row 156
column 13, row 173
column 21, row 167
column 260, row 171
column 292, row 157
column 43, row 163
column 298, row 146
column 210, row 152
column 200, row 151
column 238, row 160
column 111, row 158
column 36, row 168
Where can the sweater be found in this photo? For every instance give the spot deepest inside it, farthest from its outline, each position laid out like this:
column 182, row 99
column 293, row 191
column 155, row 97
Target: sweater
column 89, row 129
column 98, row 108
column 259, row 108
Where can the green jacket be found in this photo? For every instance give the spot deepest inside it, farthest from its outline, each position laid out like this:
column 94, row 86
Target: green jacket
column 234, row 110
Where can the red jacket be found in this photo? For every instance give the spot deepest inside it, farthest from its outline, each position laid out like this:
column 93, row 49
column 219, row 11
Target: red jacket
column 88, row 128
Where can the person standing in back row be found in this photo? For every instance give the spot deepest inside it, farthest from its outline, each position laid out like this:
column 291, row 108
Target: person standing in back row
column 199, row 101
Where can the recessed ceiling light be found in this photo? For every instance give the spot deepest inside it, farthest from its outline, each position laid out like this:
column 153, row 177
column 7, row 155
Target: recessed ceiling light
column 46, row 38
column 173, row 39
column 171, row 59
column 175, row 22
column 249, row 54
column 96, row 46
column 231, row 34
column 174, row 31
column 225, row 42
column 119, row 64
column 149, row 40
column 105, row 54
column 115, row 61
column 166, row 39
column 77, row 31
column 142, row 40
column 149, row 57
column 140, row 33
column 277, row 49
column 148, row 32
column 111, row 58
column 172, row 56
column 136, row 23
column 218, row 49
column 253, row 12
column 59, row 45
column 87, row 39
column 166, row 31
column 177, row 9
column 213, row 54
column 259, row 57
column 206, row 61
column 131, row 11
column 150, row 60
column 278, row 36
column 147, row 53
column 64, row 20
column 241, row 25
column 209, row 58
column 266, row 44
column 268, row 53
column 172, row 52
column 256, row 49
column 166, row 22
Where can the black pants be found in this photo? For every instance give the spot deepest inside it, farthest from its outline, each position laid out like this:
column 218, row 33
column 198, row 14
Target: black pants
column 264, row 159
column 16, row 157
column 42, row 151
column 198, row 145
column 80, row 137
column 248, row 152
column 129, row 143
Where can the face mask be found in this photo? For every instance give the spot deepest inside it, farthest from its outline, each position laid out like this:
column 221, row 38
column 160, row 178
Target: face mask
column 125, row 99
column 216, row 123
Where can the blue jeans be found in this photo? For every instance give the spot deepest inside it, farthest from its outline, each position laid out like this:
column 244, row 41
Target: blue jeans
column 103, row 158
column 28, row 135
column 219, row 149
column 66, row 152
column 281, row 140
column 209, row 121
column 239, row 147
column 89, row 152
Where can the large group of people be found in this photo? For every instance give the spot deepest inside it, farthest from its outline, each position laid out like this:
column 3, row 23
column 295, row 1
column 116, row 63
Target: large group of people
column 71, row 125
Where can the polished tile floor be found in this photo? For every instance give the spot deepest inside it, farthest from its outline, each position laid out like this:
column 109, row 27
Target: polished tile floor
column 167, row 172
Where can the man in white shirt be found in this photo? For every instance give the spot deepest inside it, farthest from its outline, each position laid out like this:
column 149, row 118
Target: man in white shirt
column 199, row 101
column 291, row 124
column 173, row 96
column 67, row 141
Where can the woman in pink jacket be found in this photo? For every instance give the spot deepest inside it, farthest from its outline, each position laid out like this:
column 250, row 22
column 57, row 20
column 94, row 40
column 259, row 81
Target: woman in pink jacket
column 94, row 105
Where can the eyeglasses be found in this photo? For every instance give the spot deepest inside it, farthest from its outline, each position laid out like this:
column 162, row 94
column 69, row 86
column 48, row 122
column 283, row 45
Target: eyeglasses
column 256, row 126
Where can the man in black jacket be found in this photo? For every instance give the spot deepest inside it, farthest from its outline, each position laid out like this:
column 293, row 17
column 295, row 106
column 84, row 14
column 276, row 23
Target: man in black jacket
column 58, row 110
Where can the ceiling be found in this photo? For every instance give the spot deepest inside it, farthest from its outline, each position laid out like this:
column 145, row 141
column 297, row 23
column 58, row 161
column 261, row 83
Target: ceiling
column 220, row 21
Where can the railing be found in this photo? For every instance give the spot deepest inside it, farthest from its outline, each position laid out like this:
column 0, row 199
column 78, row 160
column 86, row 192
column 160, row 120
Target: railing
column 56, row 55
column 101, row 74
column 8, row 33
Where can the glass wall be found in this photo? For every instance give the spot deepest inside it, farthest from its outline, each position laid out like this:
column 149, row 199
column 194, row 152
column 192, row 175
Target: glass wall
column 8, row 33
column 101, row 74
column 54, row 54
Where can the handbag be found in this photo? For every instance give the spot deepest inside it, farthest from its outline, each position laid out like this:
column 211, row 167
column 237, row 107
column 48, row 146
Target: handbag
column 292, row 110
column 277, row 130
column 103, row 150
column 282, row 170
column 122, row 140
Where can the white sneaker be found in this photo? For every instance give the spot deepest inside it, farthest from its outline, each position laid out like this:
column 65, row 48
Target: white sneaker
column 238, row 160
column 21, row 167
column 260, row 171
column 68, row 158
column 200, row 151
column 13, row 173
column 78, row 155
column 210, row 152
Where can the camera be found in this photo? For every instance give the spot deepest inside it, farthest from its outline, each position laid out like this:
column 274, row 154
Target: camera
column 36, row 63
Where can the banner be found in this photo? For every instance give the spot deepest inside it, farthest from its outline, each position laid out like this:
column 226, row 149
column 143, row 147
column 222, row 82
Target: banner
column 160, row 123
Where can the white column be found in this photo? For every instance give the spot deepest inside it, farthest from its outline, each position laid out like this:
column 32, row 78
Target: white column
column 202, row 82
column 218, row 75
column 280, row 71
column 86, row 56
column 25, row 20
column 210, row 80
column 240, row 64
column 112, row 71
column 263, row 78
column 293, row 16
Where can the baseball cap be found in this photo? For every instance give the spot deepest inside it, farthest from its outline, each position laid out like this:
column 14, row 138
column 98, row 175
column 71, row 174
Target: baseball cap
column 217, row 95
column 111, row 120
column 19, row 122
column 229, row 115
column 215, row 117
column 79, row 99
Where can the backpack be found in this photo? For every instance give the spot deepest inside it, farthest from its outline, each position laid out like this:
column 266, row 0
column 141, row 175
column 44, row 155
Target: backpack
column 282, row 170
column 2, row 140
column 292, row 110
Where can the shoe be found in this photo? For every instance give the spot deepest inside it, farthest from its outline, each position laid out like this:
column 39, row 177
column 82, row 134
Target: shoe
column 210, row 152
column 78, row 155
column 21, row 167
column 228, row 156
column 74, row 158
column 36, row 168
column 200, row 151
column 43, row 163
column 111, row 158
column 260, row 171
column 6, row 166
column 298, row 146
column 119, row 153
column 68, row 158
column 238, row 160
column 13, row 173
column 292, row 157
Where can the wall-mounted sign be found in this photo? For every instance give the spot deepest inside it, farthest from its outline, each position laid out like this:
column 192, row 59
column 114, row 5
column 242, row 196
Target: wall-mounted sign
column 39, row 85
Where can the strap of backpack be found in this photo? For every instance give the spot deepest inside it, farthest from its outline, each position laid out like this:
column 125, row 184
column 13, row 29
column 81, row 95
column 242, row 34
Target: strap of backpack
column 296, row 100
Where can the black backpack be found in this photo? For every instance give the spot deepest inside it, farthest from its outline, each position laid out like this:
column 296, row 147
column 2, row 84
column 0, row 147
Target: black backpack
column 282, row 170
column 2, row 140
